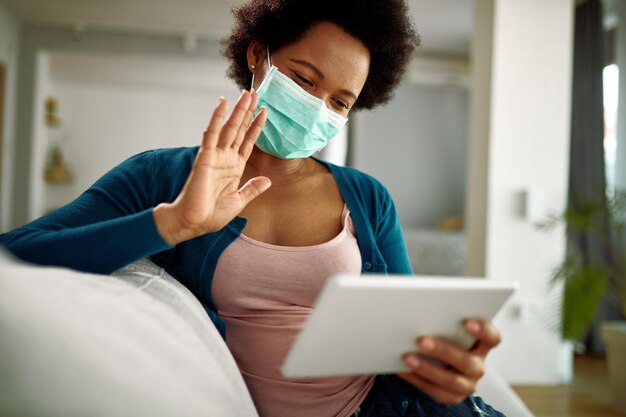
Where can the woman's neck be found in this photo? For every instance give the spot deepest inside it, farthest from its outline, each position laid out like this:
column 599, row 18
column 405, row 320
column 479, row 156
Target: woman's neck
column 279, row 171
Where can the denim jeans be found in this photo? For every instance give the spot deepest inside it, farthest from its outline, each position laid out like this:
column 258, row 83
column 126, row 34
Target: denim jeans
column 393, row 397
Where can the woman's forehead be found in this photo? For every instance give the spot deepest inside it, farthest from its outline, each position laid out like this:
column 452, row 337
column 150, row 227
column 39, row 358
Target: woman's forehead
column 333, row 51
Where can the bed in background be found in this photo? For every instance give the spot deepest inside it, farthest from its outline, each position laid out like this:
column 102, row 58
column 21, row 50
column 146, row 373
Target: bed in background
column 435, row 252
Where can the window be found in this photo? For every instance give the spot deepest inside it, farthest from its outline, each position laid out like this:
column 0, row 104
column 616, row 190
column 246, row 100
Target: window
column 610, row 77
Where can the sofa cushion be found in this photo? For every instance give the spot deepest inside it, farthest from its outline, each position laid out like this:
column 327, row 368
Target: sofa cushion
column 134, row 344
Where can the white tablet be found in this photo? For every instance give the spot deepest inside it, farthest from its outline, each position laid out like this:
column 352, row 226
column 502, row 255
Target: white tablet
column 365, row 324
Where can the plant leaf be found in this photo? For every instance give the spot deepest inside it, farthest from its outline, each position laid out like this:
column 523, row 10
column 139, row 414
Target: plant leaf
column 583, row 289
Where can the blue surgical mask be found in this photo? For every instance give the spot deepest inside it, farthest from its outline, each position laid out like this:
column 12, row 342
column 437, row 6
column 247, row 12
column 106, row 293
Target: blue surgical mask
column 298, row 123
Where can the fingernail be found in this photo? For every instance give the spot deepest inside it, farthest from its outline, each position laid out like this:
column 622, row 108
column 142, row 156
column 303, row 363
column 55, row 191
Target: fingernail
column 473, row 326
column 412, row 362
column 252, row 90
column 243, row 92
column 427, row 345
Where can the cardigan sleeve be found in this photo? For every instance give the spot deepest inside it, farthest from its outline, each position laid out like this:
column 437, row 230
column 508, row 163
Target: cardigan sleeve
column 390, row 239
column 107, row 227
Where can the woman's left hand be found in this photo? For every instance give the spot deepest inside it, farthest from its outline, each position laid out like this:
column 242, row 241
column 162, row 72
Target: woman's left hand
column 455, row 379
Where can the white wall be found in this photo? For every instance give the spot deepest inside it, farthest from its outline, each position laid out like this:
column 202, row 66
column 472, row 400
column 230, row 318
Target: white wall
column 114, row 106
column 9, row 45
column 36, row 40
column 527, row 151
column 416, row 146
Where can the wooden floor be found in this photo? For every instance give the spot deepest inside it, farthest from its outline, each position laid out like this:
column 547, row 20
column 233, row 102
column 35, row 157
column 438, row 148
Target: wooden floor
column 589, row 394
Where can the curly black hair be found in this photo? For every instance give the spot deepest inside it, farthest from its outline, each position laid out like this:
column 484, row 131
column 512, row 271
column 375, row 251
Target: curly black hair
column 384, row 26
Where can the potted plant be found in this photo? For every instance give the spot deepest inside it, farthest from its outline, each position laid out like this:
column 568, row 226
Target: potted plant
column 589, row 274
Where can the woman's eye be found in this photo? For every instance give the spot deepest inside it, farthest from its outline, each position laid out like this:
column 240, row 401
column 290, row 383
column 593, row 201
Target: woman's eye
column 341, row 104
column 303, row 80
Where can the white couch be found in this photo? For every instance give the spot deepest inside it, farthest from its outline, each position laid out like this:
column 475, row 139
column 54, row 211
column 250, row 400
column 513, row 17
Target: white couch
column 137, row 344
column 134, row 344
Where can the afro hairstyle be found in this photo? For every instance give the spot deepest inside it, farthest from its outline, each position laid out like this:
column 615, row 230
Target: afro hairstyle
column 384, row 27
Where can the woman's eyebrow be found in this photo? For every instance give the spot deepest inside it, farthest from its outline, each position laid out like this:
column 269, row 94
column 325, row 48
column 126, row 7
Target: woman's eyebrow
column 348, row 93
column 312, row 67
column 320, row 74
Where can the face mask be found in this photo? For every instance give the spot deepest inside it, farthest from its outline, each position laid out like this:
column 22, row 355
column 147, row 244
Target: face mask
column 298, row 123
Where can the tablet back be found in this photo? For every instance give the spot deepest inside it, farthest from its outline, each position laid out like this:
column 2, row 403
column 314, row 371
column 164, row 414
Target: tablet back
column 365, row 324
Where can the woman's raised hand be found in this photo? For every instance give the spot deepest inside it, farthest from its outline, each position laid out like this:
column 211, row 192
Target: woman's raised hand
column 211, row 197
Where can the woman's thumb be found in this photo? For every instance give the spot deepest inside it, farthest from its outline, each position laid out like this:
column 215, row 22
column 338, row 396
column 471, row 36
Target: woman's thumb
column 253, row 188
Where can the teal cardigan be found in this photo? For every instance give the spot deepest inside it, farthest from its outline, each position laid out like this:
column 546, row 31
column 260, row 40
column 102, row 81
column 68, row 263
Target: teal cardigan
column 111, row 225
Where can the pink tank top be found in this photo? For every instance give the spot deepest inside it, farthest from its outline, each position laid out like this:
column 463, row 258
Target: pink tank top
column 264, row 293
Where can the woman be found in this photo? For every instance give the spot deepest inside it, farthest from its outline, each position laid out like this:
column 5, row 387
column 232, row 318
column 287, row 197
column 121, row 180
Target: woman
column 257, row 255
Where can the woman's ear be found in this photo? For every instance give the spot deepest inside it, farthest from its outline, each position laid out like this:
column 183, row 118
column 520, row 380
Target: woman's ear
column 255, row 55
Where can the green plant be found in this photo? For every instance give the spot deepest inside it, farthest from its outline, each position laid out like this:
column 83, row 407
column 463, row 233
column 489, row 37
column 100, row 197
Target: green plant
column 595, row 264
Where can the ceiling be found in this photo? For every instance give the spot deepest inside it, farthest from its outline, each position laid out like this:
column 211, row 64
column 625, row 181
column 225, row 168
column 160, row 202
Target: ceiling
column 444, row 25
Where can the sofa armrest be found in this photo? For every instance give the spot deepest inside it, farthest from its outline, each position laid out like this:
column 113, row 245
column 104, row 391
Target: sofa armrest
column 137, row 343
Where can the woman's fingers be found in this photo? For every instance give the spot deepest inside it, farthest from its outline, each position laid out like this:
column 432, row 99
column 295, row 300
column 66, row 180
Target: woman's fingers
column 233, row 124
column 486, row 334
column 212, row 132
column 236, row 130
column 253, row 133
column 457, row 376
column 460, row 359
column 448, row 379
column 246, row 121
column 435, row 392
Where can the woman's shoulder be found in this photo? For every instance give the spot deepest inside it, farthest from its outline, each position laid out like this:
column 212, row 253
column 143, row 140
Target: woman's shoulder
column 150, row 159
column 170, row 162
column 182, row 155
column 158, row 172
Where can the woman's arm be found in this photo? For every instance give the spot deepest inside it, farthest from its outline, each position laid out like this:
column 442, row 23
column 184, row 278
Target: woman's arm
column 110, row 225
column 116, row 222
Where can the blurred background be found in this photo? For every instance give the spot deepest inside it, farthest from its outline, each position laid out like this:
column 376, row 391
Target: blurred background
column 477, row 146
column 126, row 76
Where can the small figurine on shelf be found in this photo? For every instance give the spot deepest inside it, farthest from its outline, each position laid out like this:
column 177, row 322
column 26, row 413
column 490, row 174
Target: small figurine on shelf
column 56, row 167
column 52, row 118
